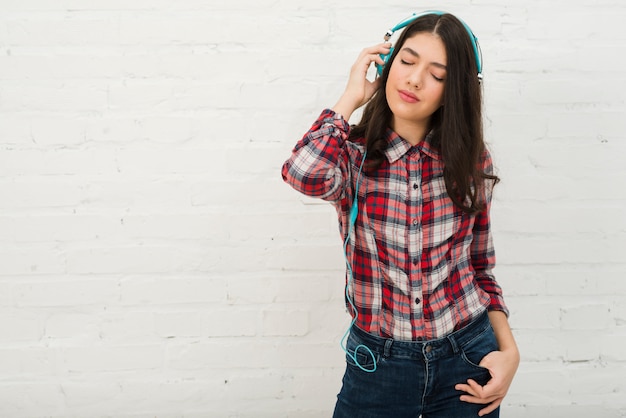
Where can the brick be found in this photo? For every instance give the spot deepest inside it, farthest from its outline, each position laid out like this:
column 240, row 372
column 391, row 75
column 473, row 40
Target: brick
column 185, row 396
column 59, row 291
column 575, row 352
column 51, row 162
column 128, row 327
column 63, row 227
column 14, row 129
column 83, row 396
column 51, row 29
column 29, row 398
column 20, row 326
column 180, row 289
column 133, row 259
column 612, row 344
column 557, row 218
column 544, row 314
column 240, row 193
column 209, row 226
column 306, row 288
column 124, row 192
column 287, row 323
column 112, row 358
column 45, row 192
column 220, row 354
column 31, row 260
column 574, row 28
column 538, row 346
column 28, row 362
column 55, row 97
column 232, row 321
column 585, row 317
column 550, row 250
column 301, row 258
column 178, row 324
column 600, row 386
column 72, row 325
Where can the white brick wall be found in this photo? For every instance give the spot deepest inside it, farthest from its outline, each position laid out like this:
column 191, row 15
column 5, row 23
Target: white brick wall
column 153, row 264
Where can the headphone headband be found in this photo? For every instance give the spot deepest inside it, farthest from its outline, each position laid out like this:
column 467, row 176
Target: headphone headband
column 415, row 16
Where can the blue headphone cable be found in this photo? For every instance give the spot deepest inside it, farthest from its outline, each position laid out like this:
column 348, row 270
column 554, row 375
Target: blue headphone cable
column 354, row 211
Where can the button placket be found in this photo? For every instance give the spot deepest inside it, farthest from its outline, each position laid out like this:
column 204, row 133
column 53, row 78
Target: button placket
column 414, row 230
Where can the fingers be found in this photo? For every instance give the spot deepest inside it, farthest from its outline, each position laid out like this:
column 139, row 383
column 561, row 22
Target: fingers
column 359, row 89
column 495, row 387
column 492, row 407
column 492, row 402
column 372, row 54
column 476, row 393
column 472, row 388
column 381, row 48
column 479, row 401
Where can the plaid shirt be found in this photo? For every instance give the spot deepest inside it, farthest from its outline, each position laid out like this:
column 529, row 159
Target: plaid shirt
column 421, row 266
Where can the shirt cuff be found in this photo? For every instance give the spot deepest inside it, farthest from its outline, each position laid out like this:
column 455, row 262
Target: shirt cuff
column 497, row 304
column 332, row 117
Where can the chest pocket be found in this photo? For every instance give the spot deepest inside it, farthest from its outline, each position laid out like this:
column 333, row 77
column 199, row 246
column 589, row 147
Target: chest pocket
column 386, row 216
column 441, row 217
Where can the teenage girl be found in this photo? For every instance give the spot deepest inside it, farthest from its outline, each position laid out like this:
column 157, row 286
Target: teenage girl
column 412, row 184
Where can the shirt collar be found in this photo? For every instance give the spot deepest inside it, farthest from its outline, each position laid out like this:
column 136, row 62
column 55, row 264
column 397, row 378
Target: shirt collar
column 398, row 146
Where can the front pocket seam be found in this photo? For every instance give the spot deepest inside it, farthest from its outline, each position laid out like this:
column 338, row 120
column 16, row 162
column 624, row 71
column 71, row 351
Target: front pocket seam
column 471, row 363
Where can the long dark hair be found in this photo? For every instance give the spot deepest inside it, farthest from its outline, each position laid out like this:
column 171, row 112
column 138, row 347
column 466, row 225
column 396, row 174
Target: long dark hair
column 456, row 126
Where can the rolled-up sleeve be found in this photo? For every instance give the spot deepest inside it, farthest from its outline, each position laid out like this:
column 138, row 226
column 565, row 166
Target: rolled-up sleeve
column 319, row 166
column 482, row 250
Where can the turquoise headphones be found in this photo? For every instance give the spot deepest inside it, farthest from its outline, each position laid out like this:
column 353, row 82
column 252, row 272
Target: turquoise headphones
column 415, row 16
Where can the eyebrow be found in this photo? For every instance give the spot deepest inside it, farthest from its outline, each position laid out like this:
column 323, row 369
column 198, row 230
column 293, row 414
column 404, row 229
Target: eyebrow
column 417, row 55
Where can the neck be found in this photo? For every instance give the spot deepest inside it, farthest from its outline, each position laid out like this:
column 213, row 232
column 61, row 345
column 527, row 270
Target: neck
column 413, row 132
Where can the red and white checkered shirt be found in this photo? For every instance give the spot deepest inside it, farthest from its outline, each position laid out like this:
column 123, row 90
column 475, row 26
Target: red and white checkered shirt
column 421, row 266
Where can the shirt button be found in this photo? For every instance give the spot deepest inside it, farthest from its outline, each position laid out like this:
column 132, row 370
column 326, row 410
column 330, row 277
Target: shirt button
column 415, row 222
column 415, row 261
column 415, row 185
column 417, row 301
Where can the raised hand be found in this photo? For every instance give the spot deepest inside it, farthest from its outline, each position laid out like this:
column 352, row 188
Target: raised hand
column 359, row 89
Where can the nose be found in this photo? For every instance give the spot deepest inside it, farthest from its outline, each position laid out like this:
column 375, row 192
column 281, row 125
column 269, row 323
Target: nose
column 415, row 79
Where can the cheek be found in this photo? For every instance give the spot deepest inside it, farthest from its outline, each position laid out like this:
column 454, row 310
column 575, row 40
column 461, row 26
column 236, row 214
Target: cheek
column 395, row 72
column 393, row 80
column 438, row 94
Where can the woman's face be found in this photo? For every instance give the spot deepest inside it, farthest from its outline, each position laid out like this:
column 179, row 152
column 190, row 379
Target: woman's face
column 416, row 80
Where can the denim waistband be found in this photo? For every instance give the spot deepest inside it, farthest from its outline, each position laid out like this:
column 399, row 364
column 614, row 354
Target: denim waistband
column 445, row 346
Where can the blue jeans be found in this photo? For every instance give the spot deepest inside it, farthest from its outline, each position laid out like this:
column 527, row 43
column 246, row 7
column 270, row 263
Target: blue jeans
column 415, row 378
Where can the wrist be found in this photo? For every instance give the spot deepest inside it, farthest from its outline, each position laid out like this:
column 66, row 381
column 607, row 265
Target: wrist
column 512, row 354
column 345, row 107
column 502, row 331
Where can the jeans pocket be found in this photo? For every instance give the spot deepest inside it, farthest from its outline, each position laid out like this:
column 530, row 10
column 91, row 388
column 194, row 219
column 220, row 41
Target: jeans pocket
column 359, row 355
column 476, row 349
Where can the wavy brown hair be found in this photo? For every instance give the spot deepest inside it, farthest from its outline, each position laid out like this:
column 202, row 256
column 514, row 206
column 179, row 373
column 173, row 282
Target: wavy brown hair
column 456, row 126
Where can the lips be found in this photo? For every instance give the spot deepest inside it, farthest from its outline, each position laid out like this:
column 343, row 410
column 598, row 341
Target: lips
column 408, row 97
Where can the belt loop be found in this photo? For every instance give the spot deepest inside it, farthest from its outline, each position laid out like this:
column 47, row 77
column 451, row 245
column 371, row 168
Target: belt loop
column 455, row 346
column 387, row 350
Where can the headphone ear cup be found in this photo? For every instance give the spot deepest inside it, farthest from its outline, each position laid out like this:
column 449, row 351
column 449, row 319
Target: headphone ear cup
column 385, row 58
